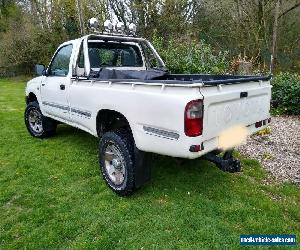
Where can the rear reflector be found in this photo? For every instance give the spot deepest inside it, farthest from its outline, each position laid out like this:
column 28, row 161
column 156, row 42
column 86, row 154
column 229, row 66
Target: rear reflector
column 196, row 148
column 193, row 118
column 258, row 124
column 262, row 122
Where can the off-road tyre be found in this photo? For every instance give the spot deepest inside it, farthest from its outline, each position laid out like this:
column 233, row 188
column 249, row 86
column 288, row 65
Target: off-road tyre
column 122, row 139
column 46, row 124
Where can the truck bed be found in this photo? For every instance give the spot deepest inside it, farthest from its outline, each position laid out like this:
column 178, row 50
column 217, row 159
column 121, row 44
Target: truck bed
column 214, row 79
column 157, row 76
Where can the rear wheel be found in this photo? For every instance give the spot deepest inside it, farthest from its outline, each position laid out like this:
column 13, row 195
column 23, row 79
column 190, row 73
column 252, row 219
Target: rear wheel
column 116, row 157
column 38, row 125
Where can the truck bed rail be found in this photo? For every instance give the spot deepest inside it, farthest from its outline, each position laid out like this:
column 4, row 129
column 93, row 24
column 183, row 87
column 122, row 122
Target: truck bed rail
column 183, row 80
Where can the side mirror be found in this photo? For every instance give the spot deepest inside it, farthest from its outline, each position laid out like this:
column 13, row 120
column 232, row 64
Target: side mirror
column 40, row 69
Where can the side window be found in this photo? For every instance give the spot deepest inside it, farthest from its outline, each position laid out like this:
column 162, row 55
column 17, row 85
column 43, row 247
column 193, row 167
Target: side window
column 60, row 63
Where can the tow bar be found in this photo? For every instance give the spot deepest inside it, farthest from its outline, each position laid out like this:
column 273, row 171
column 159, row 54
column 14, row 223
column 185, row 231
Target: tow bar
column 226, row 163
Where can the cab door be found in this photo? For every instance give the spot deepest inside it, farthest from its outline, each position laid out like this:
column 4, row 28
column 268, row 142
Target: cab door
column 55, row 88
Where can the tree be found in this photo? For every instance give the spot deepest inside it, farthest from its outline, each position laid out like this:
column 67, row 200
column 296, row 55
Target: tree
column 274, row 40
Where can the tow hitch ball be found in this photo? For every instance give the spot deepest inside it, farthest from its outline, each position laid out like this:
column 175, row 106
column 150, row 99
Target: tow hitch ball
column 226, row 163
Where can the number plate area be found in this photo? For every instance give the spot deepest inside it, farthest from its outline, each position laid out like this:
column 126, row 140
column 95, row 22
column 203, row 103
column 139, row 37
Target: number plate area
column 234, row 114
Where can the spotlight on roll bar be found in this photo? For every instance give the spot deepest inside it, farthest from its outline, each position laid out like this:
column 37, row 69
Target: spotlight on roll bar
column 108, row 26
column 120, row 27
column 93, row 23
column 132, row 29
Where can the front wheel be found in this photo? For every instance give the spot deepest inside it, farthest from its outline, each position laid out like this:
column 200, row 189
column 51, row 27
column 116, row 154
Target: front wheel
column 38, row 125
column 116, row 157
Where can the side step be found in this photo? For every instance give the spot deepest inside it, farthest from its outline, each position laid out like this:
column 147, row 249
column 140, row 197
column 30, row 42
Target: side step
column 226, row 163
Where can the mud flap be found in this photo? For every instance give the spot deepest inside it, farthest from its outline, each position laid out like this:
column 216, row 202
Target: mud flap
column 142, row 162
column 226, row 163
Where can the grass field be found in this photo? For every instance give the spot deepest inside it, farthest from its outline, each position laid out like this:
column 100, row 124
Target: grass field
column 52, row 196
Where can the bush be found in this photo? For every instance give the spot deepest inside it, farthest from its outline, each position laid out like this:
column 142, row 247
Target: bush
column 286, row 94
column 189, row 56
column 25, row 45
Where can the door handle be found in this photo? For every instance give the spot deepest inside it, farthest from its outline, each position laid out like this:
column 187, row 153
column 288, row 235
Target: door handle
column 62, row 86
column 243, row 94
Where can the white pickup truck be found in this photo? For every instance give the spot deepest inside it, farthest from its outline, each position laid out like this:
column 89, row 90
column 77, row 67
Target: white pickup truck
column 117, row 88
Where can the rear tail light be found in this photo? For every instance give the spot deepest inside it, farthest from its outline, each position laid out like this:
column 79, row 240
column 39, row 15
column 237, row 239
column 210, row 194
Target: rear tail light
column 193, row 118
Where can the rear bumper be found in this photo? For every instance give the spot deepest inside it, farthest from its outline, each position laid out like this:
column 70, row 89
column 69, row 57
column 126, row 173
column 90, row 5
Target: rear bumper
column 213, row 143
column 180, row 146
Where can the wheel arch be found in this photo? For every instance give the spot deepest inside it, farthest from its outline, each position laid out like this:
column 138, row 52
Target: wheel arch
column 31, row 97
column 109, row 120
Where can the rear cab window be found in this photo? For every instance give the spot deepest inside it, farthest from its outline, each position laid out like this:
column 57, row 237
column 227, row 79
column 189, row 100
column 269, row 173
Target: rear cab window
column 112, row 55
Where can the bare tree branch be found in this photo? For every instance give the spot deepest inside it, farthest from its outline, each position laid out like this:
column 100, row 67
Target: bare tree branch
column 289, row 10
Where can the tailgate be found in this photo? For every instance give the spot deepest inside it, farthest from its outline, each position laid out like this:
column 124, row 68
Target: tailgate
column 227, row 106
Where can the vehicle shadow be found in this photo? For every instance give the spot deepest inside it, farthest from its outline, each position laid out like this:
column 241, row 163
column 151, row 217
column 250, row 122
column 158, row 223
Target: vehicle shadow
column 167, row 173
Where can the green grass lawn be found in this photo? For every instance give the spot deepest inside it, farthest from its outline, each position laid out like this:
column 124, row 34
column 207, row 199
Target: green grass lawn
column 52, row 196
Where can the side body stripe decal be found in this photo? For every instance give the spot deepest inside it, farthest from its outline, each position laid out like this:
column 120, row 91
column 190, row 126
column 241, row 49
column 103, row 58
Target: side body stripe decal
column 85, row 113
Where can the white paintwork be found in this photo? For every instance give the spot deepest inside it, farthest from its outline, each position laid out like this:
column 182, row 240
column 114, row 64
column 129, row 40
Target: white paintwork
column 160, row 106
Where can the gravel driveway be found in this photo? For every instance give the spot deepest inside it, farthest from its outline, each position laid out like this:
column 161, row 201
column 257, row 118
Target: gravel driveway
column 279, row 151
